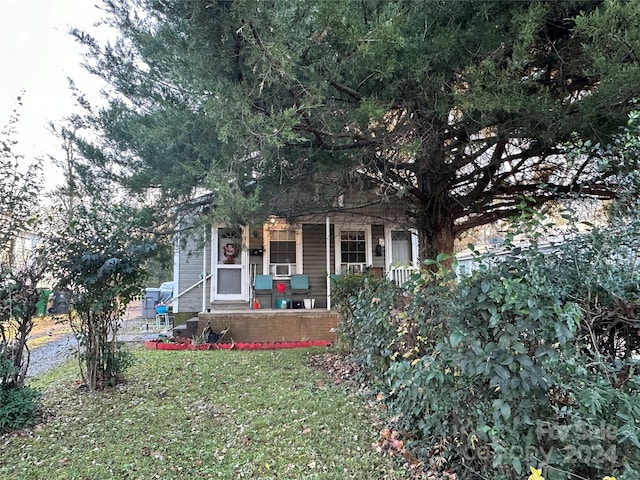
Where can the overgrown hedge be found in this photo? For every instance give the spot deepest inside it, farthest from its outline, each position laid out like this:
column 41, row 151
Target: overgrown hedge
column 528, row 361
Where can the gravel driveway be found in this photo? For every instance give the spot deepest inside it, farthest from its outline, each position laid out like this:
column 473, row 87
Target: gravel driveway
column 51, row 354
column 62, row 346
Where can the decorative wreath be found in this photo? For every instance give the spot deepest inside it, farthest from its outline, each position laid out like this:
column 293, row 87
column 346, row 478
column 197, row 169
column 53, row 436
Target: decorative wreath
column 230, row 250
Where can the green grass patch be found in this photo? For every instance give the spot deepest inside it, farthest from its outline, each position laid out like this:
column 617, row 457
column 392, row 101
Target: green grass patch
column 191, row 414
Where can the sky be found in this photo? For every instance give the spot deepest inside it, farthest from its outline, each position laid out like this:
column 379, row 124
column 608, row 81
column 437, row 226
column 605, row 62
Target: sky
column 37, row 54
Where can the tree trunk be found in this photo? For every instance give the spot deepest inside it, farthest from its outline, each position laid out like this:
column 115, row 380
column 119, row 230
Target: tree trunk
column 435, row 229
column 434, row 215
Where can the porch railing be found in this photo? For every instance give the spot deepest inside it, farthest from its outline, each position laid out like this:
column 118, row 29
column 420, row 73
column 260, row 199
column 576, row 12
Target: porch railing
column 401, row 274
column 188, row 289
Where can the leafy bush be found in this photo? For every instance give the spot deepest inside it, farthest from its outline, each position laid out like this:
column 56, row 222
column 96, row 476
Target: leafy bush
column 18, row 408
column 111, row 362
column 19, row 297
column 600, row 273
column 494, row 372
column 99, row 260
column 22, row 266
column 18, row 405
column 365, row 331
column 506, row 384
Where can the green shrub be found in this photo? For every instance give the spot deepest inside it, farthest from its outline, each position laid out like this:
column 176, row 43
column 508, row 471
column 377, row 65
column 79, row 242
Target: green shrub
column 111, row 363
column 99, row 259
column 364, row 303
column 509, row 382
column 18, row 405
column 493, row 373
column 600, row 273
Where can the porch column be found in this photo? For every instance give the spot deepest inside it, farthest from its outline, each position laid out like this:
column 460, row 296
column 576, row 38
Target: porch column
column 204, row 272
column 328, row 255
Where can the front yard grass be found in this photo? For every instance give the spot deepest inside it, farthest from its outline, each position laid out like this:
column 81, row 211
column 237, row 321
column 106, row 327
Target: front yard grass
column 191, row 414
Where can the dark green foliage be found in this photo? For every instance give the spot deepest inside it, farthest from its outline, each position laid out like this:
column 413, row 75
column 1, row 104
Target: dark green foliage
column 19, row 296
column 20, row 185
column 508, row 368
column 99, row 260
column 160, row 267
column 599, row 274
column 455, row 108
column 117, row 360
column 345, row 287
column 18, row 406
column 600, row 270
column 22, row 269
column 364, row 303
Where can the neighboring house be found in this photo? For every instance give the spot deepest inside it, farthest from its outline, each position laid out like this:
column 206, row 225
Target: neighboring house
column 467, row 261
column 20, row 249
column 19, row 256
column 21, row 253
column 220, row 272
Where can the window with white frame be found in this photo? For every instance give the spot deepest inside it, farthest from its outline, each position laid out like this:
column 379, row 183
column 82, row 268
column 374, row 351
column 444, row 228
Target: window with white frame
column 283, row 250
column 354, row 251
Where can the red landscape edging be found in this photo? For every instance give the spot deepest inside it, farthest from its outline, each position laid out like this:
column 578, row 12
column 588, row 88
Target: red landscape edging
column 161, row 345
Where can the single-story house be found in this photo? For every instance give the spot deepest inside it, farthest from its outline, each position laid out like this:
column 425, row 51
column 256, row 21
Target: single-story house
column 221, row 271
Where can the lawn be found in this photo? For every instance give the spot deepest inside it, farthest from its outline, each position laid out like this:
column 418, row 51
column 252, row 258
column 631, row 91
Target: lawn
column 192, row 415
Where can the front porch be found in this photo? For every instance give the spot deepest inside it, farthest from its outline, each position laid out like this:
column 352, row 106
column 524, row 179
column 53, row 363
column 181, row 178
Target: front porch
column 222, row 267
column 265, row 325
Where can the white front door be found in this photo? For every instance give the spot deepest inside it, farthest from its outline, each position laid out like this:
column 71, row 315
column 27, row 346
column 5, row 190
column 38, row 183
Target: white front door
column 229, row 260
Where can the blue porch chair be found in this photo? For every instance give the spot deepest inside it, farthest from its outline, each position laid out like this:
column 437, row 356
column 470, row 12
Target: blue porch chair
column 299, row 285
column 263, row 287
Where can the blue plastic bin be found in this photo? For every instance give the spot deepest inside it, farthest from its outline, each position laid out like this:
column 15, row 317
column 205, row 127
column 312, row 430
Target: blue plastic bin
column 282, row 304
